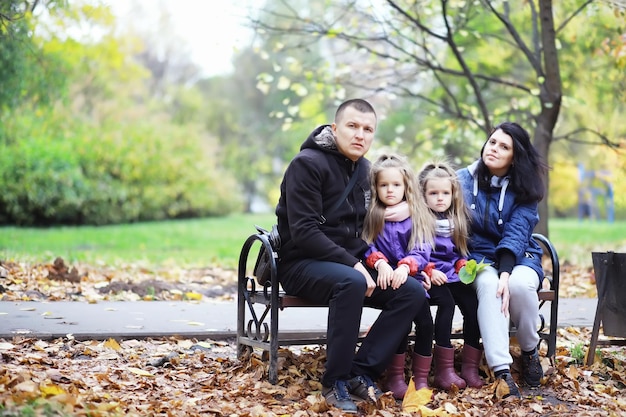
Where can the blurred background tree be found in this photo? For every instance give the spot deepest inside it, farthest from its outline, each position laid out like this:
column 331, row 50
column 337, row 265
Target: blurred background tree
column 118, row 138
column 107, row 120
column 448, row 71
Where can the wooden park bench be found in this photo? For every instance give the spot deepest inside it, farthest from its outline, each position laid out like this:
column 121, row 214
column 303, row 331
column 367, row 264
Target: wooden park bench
column 258, row 327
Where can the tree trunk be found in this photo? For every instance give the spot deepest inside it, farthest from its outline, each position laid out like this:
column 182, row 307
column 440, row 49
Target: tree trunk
column 550, row 95
column 542, row 139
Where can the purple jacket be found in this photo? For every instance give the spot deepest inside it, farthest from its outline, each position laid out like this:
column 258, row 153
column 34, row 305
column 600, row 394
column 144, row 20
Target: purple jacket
column 445, row 257
column 394, row 238
column 393, row 241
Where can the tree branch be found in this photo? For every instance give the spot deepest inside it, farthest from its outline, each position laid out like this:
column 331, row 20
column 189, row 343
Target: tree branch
column 466, row 71
column 576, row 12
column 518, row 39
column 415, row 21
column 601, row 138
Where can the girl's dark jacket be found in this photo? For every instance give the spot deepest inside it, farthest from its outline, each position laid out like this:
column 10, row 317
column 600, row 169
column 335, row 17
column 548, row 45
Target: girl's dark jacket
column 313, row 183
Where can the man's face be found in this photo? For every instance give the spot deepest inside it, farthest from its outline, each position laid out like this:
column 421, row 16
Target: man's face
column 354, row 132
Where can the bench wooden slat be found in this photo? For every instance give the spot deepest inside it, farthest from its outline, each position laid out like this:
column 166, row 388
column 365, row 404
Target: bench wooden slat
column 295, row 301
column 546, row 295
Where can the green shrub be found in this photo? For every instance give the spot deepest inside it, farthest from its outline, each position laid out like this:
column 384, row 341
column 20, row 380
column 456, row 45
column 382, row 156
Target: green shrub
column 75, row 173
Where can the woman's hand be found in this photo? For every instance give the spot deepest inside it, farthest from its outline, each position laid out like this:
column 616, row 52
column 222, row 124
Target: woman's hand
column 371, row 285
column 437, row 277
column 503, row 292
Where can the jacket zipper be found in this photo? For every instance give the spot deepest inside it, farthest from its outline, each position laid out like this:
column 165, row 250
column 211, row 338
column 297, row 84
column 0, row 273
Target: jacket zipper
column 486, row 213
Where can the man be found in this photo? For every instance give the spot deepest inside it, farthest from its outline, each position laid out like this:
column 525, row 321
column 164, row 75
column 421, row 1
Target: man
column 322, row 248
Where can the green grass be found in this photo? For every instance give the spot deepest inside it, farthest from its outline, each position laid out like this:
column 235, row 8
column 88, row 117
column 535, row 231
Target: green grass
column 217, row 241
column 575, row 240
column 197, row 242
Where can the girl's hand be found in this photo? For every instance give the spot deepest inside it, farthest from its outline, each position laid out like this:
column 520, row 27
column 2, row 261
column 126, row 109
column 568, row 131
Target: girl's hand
column 399, row 277
column 426, row 283
column 438, row 278
column 385, row 275
column 503, row 292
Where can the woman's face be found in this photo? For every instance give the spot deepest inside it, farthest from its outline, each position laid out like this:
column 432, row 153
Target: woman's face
column 498, row 153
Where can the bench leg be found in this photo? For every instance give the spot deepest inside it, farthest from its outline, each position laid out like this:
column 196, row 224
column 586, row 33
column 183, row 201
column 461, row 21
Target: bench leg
column 273, row 370
column 554, row 313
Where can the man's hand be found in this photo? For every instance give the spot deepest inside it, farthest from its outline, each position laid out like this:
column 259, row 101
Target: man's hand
column 371, row 285
column 437, row 277
column 503, row 292
column 426, row 283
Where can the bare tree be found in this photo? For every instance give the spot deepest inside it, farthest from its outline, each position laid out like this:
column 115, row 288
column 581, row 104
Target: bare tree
column 470, row 61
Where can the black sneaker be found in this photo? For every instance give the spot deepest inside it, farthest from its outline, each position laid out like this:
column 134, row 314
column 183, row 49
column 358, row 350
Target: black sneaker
column 531, row 369
column 363, row 387
column 513, row 390
column 339, row 396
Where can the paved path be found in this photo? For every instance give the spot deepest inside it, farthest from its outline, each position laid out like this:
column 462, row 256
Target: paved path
column 203, row 320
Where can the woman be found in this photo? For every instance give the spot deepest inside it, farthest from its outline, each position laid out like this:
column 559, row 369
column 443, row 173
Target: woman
column 503, row 189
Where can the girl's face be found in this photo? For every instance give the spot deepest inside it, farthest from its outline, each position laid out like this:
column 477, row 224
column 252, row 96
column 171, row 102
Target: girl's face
column 438, row 194
column 390, row 186
column 498, row 153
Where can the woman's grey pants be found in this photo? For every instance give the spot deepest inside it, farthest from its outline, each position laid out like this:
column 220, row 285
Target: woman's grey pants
column 523, row 309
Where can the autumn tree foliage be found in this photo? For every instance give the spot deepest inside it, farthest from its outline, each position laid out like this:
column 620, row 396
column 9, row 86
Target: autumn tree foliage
column 462, row 65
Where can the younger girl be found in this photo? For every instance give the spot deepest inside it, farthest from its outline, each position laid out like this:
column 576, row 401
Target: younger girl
column 398, row 225
column 444, row 196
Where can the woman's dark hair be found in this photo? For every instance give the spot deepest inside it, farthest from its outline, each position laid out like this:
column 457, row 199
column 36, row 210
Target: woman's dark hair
column 528, row 168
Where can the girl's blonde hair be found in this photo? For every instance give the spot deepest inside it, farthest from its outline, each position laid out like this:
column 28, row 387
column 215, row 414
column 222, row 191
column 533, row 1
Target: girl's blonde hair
column 423, row 227
column 458, row 213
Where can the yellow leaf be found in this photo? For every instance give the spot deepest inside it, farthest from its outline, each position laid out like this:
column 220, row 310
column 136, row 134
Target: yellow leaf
column 414, row 399
column 112, row 344
column 140, row 372
column 193, row 295
column 502, row 389
column 108, row 406
column 50, row 390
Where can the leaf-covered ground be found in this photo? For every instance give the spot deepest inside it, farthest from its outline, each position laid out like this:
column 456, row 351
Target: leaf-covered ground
column 173, row 377
column 58, row 281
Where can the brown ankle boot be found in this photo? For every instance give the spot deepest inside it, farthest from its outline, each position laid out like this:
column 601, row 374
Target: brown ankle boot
column 444, row 369
column 421, row 369
column 469, row 366
column 395, row 381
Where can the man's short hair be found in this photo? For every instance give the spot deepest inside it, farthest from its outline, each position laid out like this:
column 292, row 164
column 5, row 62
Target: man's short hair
column 358, row 103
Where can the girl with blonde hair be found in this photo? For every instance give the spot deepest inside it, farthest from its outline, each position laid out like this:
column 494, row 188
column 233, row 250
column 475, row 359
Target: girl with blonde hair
column 398, row 227
column 444, row 197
